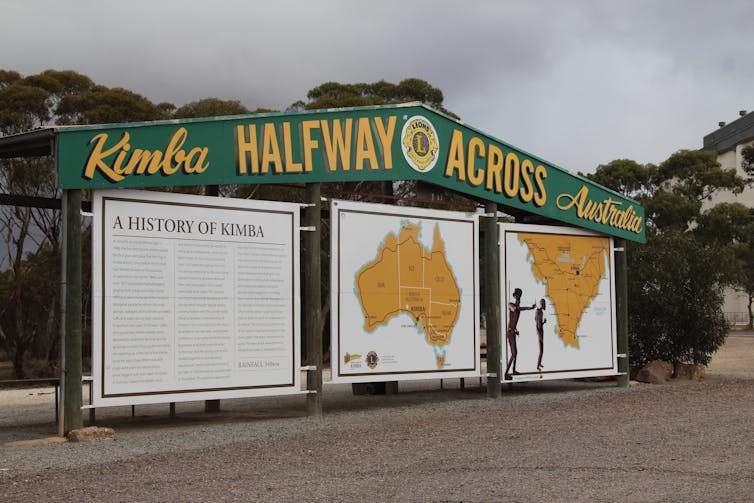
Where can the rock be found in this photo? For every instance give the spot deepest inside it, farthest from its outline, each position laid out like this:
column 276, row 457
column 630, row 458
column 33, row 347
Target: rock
column 690, row 371
column 655, row 372
column 91, row 434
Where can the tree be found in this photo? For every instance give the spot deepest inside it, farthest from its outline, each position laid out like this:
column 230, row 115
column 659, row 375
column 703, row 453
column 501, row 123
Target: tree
column 101, row 105
column 209, row 107
column 731, row 226
column 25, row 103
column 674, row 192
column 29, row 322
column 748, row 161
column 676, row 279
column 337, row 95
column 675, row 300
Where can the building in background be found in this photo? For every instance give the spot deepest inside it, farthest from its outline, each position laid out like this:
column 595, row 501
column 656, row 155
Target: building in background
column 729, row 141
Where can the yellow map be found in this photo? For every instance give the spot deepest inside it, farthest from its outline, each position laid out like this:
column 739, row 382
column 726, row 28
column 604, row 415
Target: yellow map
column 571, row 268
column 406, row 277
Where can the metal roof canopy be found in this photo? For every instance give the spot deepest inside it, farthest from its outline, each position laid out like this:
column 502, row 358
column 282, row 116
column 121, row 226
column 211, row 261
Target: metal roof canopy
column 391, row 142
column 396, row 142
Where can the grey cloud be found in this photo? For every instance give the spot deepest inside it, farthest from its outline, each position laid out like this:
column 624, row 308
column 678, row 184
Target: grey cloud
column 578, row 83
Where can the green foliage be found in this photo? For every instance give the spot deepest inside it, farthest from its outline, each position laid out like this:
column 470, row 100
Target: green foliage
column 696, row 175
column 676, row 278
column 732, row 225
column 210, row 107
column 674, row 192
column 748, row 161
column 22, row 107
column 100, row 105
column 337, row 95
column 675, row 299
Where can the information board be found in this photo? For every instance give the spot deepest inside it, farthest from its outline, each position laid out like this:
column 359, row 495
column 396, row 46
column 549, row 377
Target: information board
column 405, row 283
column 194, row 298
column 557, row 303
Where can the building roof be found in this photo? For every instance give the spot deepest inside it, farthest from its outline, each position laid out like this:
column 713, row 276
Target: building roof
column 727, row 137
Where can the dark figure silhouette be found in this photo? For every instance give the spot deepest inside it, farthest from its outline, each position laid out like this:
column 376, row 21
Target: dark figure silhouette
column 540, row 321
column 514, row 311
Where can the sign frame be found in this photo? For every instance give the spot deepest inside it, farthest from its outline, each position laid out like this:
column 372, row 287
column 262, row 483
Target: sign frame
column 107, row 203
column 379, row 143
column 399, row 214
column 608, row 365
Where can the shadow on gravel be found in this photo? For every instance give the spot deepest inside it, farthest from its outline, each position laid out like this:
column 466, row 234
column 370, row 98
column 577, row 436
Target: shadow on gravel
column 35, row 421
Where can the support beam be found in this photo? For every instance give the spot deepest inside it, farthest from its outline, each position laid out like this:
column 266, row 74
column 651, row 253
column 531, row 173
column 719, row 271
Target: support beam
column 311, row 291
column 492, row 299
column 211, row 405
column 71, row 363
column 621, row 287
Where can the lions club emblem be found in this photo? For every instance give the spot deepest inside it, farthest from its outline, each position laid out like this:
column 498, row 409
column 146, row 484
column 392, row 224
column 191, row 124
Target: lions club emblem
column 419, row 142
column 372, row 359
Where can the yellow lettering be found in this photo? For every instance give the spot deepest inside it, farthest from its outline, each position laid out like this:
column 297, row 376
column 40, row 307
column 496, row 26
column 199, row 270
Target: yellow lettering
column 246, row 150
column 167, row 162
column 271, row 150
column 455, row 157
column 476, row 149
column 365, row 145
column 571, row 201
column 290, row 166
column 337, row 145
column 118, row 163
column 511, row 175
column 140, row 161
column 200, row 166
column 540, row 197
column 96, row 158
column 494, row 167
column 527, row 191
column 175, row 145
column 309, row 144
column 386, row 140
column 600, row 212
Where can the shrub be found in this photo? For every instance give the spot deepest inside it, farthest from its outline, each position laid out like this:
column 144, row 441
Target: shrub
column 675, row 299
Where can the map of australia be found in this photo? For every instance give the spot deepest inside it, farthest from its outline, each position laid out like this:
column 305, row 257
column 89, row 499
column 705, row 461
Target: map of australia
column 571, row 267
column 408, row 278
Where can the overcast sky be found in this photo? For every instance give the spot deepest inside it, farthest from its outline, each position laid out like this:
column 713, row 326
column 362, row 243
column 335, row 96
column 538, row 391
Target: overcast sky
column 578, row 83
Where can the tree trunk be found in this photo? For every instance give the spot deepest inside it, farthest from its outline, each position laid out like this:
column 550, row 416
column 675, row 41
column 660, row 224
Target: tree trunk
column 18, row 360
column 20, row 346
column 751, row 315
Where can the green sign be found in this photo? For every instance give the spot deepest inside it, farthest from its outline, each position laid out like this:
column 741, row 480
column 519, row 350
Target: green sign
column 403, row 142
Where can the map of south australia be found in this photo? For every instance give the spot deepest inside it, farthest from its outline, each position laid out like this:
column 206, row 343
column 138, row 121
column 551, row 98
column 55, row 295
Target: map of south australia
column 571, row 267
column 407, row 278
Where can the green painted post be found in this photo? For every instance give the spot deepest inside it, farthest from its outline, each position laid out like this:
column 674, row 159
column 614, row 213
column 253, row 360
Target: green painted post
column 72, row 337
column 211, row 405
column 621, row 287
column 492, row 298
column 312, row 293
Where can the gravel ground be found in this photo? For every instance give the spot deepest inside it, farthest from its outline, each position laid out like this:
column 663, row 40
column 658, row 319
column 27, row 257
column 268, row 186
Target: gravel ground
column 556, row 441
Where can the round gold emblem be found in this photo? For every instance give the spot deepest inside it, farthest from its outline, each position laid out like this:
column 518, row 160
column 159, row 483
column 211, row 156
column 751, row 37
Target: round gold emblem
column 420, row 144
column 372, row 359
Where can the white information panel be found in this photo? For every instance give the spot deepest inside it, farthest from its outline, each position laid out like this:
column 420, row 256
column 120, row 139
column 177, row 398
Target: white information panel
column 405, row 285
column 194, row 298
column 557, row 303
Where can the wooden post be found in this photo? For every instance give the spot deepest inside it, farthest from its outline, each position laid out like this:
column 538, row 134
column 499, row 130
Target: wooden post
column 312, row 276
column 621, row 291
column 212, row 405
column 492, row 299
column 71, row 363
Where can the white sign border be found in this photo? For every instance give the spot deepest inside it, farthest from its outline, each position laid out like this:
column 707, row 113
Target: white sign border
column 570, row 373
column 404, row 212
column 98, row 202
